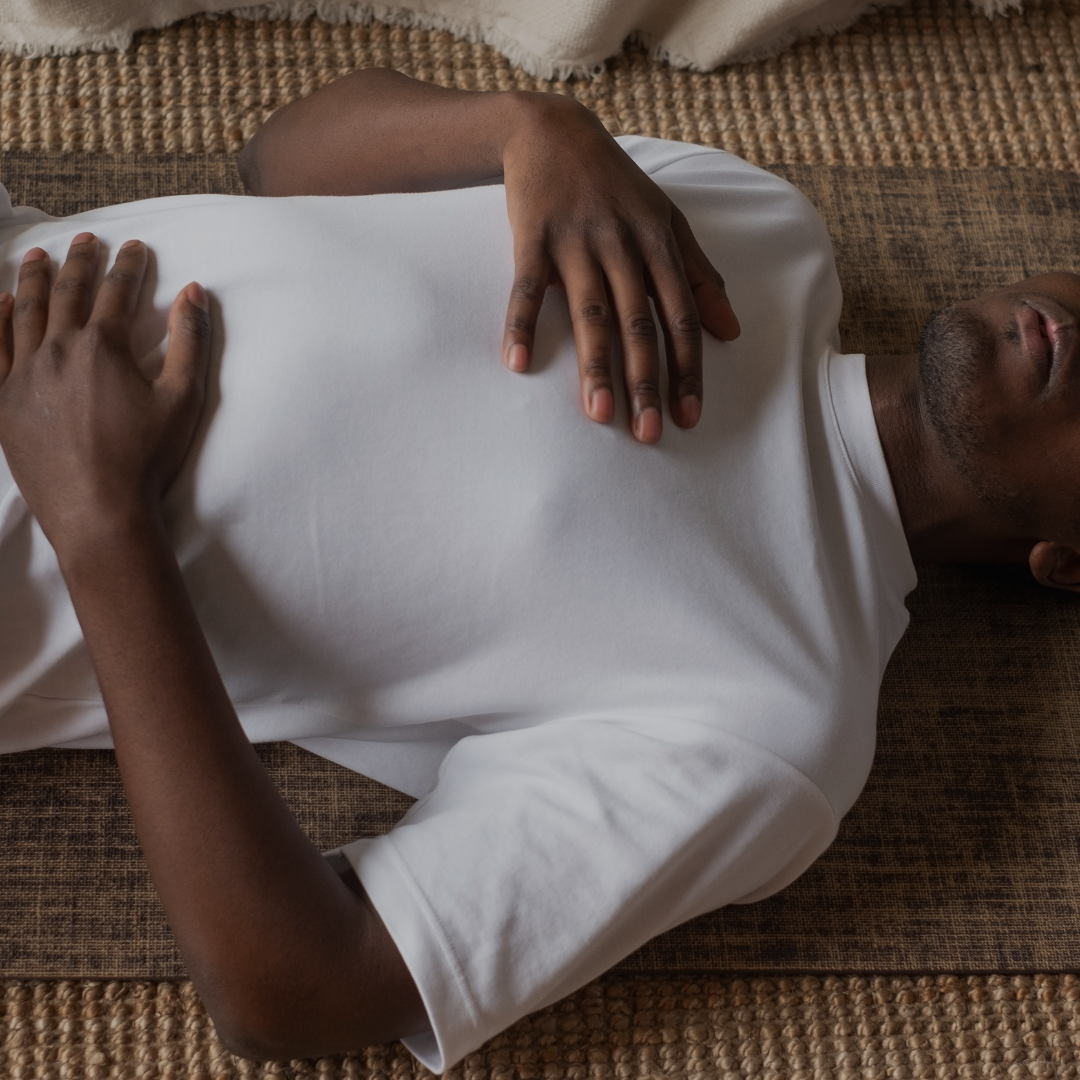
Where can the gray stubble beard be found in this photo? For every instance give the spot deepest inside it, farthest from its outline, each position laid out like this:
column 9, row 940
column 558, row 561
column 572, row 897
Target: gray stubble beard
column 952, row 351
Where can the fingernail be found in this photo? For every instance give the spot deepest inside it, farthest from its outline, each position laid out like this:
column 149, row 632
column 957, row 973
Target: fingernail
column 517, row 358
column 690, row 410
column 83, row 238
column 197, row 295
column 647, row 425
column 601, row 405
column 130, row 244
column 34, row 254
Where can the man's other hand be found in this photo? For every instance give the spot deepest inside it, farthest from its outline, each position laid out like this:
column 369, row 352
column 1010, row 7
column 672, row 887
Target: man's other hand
column 289, row 961
column 90, row 441
column 586, row 218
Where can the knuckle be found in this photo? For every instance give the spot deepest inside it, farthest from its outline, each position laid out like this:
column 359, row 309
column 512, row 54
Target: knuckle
column 685, row 324
column 528, row 289
column 708, row 277
column 620, row 234
column 645, row 388
column 26, row 306
column 194, row 324
column 596, row 368
column 518, row 324
column 197, row 325
column 595, row 314
column 52, row 353
column 640, row 327
column 663, row 249
column 32, row 271
column 70, row 287
column 122, row 276
column 93, row 339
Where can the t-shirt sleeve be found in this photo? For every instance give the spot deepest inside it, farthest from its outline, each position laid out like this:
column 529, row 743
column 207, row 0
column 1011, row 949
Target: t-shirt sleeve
column 17, row 215
column 653, row 156
column 545, row 855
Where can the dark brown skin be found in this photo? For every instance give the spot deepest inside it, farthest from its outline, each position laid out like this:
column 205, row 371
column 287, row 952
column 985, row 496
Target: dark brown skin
column 1028, row 403
column 584, row 217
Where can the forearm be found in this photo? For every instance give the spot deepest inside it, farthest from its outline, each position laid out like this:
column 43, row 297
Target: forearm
column 376, row 130
column 264, row 924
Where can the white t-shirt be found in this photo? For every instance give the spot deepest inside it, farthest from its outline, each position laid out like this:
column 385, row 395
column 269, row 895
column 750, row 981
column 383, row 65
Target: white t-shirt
column 629, row 683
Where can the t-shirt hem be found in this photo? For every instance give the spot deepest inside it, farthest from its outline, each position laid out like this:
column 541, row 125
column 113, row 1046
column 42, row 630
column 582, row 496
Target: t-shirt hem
column 412, row 924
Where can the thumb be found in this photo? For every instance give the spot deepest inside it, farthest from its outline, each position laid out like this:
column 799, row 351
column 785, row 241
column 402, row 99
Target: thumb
column 710, row 296
column 188, row 356
column 715, row 310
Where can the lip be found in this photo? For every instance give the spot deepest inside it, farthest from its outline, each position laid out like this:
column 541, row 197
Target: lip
column 1048, row 335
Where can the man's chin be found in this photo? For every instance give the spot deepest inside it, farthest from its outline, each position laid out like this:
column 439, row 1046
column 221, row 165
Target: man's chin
column 952, row 349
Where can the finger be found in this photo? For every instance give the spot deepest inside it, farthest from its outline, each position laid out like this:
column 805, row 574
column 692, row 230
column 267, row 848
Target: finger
column 119, row 292
column 707, row 286
column 69, row 304
column 30, row 315
column 641, row 353
column 532, row 274
column 7, row 350
column 682, row 337
column 590, row 312
column 187, row 358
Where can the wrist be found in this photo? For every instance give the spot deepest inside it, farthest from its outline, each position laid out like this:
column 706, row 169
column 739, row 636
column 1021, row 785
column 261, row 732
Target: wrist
column 541, row 122
column 114, row 540
column 515, row 112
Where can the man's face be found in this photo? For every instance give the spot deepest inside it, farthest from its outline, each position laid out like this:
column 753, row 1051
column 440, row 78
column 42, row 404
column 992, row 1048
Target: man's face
column 1001, row 387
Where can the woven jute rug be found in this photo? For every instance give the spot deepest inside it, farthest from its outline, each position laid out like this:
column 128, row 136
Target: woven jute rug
column 806, row 1028
column 962, row 854
column 929, row 83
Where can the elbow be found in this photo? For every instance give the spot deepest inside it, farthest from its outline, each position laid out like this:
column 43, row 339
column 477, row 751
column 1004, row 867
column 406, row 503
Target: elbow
column 268, row 164
column 311, row 996
column 253, row 1034
column 243, row 1027
column 274, row 161
column 266, row 1015
column 242, row 1045
column 282, row 1019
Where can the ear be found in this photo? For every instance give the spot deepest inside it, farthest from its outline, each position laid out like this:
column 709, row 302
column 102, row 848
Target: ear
column 1056, row 565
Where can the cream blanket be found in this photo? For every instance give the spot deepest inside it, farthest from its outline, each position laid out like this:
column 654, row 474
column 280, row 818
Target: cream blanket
column 546, row 37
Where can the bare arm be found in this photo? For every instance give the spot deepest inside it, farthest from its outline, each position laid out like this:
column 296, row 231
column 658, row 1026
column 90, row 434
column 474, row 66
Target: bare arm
column 584, row 217
column 376, row 130
column 288, row 960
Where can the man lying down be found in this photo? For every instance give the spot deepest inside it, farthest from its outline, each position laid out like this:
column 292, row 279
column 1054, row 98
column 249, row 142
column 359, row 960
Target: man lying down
column 629, row 683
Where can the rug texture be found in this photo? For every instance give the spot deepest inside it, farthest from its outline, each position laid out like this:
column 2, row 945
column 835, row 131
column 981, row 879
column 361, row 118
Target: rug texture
column 962, row 852
column 988, row 660
column 928, row 83
column 619, row 1028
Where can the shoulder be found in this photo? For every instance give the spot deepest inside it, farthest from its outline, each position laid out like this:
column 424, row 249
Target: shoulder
column 752, row 194
column 669, row 161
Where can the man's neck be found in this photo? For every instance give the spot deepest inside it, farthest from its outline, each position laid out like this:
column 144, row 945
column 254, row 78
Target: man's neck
column 943, row 519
